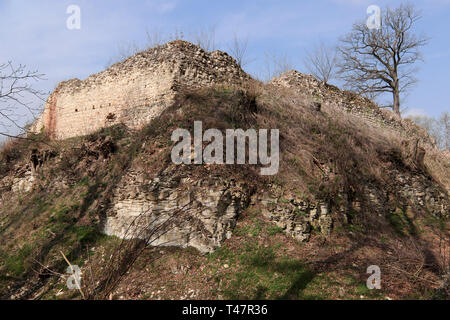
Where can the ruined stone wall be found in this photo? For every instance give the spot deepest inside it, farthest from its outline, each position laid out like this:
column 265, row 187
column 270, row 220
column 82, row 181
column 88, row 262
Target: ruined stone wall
column 134, row 91
column 353, row 103
column 79, row 110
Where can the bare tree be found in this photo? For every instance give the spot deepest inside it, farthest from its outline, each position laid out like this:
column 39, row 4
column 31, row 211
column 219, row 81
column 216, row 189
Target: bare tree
column 438, row 128
column 238, row 50
column 382, row 60
column 321, row 62
column 18, row 98
column 444, row 123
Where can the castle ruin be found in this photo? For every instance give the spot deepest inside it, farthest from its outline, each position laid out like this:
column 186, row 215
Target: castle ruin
column 133, row 91
column 137, row 90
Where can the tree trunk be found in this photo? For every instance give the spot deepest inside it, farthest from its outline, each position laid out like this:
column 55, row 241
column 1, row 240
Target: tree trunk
column 396, row 106
column 446, row 131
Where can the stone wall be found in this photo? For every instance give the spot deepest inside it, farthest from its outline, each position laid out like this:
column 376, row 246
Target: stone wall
column 138, row 89
column 353, row 103
column 134, row 91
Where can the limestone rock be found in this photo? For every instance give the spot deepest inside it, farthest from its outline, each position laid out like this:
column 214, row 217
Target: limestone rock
column 177, row 211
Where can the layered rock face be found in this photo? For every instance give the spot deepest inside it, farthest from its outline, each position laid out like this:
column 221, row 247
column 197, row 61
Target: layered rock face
column 299, row 217
column 134, row 91
column 174, row 210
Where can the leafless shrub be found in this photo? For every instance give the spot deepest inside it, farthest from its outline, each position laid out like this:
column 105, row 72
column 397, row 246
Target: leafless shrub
column 419, row 265
column 321, row 62
column 157, row 38
column 205, row 38
column 123, row 51
column 238, row 49
column 276, row 64
column 154, row 38
column 142, row 233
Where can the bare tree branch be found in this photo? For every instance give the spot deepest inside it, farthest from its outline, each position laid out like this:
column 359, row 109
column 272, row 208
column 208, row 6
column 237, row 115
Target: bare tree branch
column 381, row 60
column 276, row 65
column 321, row 62
column 238, row 49
column 17, row 95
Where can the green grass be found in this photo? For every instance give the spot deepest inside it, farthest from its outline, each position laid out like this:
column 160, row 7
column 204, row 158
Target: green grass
column 362, row 290
column 85, row 234
column 401, row 223
column 301, row 213
column 273, row 230
column 356, row 228
column 261, row 274
column 15, row 264
column 252, row 230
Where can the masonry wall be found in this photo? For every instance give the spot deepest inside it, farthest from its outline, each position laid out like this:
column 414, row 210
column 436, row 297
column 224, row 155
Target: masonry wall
column 135, row 91
column 85, row 110
column 352, row 103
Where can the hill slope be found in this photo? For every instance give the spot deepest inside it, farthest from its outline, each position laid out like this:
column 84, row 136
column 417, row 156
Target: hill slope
column 352, row 191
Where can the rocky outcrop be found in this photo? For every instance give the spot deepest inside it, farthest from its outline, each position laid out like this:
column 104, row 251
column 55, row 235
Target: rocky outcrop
column 176, row 210
column 297, row 217
column 19, row 181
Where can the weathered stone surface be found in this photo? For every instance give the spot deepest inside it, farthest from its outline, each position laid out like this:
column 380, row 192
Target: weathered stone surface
column 23, row 184
column 322, row 93
column 22, row 180
column 295, row 216
column 134, row 91
column 176, row 210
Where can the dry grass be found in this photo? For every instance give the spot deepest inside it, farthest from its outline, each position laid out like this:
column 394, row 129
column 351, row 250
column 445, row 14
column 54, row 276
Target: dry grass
column 323, row 154
column 9, row 153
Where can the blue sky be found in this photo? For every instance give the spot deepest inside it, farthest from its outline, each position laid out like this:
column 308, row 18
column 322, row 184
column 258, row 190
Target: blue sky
column 34, row 33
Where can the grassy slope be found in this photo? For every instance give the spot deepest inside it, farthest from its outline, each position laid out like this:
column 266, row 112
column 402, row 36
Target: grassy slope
column 258, row 261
